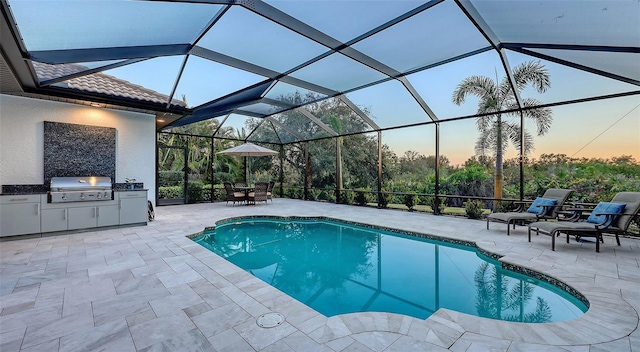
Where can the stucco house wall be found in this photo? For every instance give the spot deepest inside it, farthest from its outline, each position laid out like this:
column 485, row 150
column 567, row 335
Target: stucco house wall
column 22, row 139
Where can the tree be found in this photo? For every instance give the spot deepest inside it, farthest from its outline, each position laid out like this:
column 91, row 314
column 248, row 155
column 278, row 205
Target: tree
column 495, row 299
column 497, row 97
column 357, row 153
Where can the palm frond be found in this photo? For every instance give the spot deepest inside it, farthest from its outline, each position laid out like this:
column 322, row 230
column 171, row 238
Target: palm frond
column 520, row 293
column 542, row 314
column 483, row 123
column 488, row 139
column 543, row 117
column 532, row 73
column 506, row 92
column 512, row 130
column 483, row 144
column 479, row 86
column 485, row 305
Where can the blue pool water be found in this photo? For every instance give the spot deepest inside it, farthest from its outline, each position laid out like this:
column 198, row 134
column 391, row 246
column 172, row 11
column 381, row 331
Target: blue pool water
column 339, row 268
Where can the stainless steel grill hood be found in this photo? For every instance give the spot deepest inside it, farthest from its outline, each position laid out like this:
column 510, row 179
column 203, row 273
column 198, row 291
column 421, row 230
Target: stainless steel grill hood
column 80, row 189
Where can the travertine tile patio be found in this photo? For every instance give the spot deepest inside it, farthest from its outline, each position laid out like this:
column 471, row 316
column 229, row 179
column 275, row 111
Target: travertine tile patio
column 150, row 288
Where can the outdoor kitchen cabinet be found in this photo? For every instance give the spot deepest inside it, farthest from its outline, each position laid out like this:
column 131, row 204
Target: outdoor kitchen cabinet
column 83, row 215
column 55, row 216
column 93, row 216
column 19, row 214
column 54, row 220
column 133, row 207
column 33, row 213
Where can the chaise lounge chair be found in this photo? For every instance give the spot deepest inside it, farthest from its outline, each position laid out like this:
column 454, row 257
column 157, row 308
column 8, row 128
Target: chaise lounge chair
column 614, row 218
column 545, row 207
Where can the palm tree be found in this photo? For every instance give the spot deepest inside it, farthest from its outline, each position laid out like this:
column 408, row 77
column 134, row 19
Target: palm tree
column 495, row 98
column 495, row 299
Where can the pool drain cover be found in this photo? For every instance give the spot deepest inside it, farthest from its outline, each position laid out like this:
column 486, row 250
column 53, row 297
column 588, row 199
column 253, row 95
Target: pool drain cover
column 270, row 320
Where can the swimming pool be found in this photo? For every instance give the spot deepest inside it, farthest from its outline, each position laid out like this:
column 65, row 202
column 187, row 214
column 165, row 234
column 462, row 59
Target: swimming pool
column 337, row 268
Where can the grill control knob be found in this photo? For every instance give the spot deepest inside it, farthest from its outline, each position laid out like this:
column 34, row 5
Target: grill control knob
column 82, row 196
column 98, row 196
column 64, row 196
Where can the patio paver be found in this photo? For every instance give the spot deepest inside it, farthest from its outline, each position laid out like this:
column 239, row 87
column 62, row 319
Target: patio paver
column 150, row 288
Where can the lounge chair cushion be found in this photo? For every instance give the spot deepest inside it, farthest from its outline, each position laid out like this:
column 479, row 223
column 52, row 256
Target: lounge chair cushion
column 605, row 207
column 510, row 216
column 538, row 205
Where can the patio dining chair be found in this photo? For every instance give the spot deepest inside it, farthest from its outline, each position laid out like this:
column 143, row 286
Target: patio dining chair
column 543, row 208
column 233, row 196
column 270, row 191
column 613, row 217
column 259, row 194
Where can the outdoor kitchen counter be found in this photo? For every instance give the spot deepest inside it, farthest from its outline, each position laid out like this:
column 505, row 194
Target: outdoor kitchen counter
column 22, row 193
column 20, row 214
column 13, row 190
column 28, row 212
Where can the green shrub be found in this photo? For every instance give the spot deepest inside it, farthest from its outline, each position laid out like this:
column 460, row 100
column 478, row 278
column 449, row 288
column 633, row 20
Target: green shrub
column 473, row 208
column 384, row 200
column 197, row 192
column 170, row 178
column 503, row 207
column 410, row 201
column 219, row 194
column 323, row 195
column 422, row 199
column 346, row 197
column 194, row 192
column 351, row 197
column 170, row 192
column 361, row 198
column 206, row 192
column 293, row 193
column 431, row 201
column 394, row 199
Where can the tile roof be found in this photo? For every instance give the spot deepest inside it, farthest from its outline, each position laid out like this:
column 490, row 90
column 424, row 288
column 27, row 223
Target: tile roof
column 99, row 83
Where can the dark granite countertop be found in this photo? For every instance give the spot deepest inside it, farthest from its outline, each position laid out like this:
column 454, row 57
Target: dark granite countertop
column 21, row 193
column 123, row 187
column 24, row 193
column 14, row 190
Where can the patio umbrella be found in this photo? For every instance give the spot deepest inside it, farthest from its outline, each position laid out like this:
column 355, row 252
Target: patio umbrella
column 248, row 149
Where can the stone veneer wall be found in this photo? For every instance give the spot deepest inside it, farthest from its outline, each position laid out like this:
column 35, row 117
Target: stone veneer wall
column 78, row 150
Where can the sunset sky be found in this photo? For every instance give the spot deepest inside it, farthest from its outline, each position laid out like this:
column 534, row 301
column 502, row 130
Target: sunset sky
column 603, row 129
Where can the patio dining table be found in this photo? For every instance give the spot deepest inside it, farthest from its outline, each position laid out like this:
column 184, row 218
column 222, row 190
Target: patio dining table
column 246, row 190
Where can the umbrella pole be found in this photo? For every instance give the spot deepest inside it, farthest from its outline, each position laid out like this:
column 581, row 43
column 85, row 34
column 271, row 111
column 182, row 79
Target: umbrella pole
column 246, row 170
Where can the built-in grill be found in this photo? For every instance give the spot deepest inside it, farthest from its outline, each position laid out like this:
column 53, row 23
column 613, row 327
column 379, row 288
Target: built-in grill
column 80, row 189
